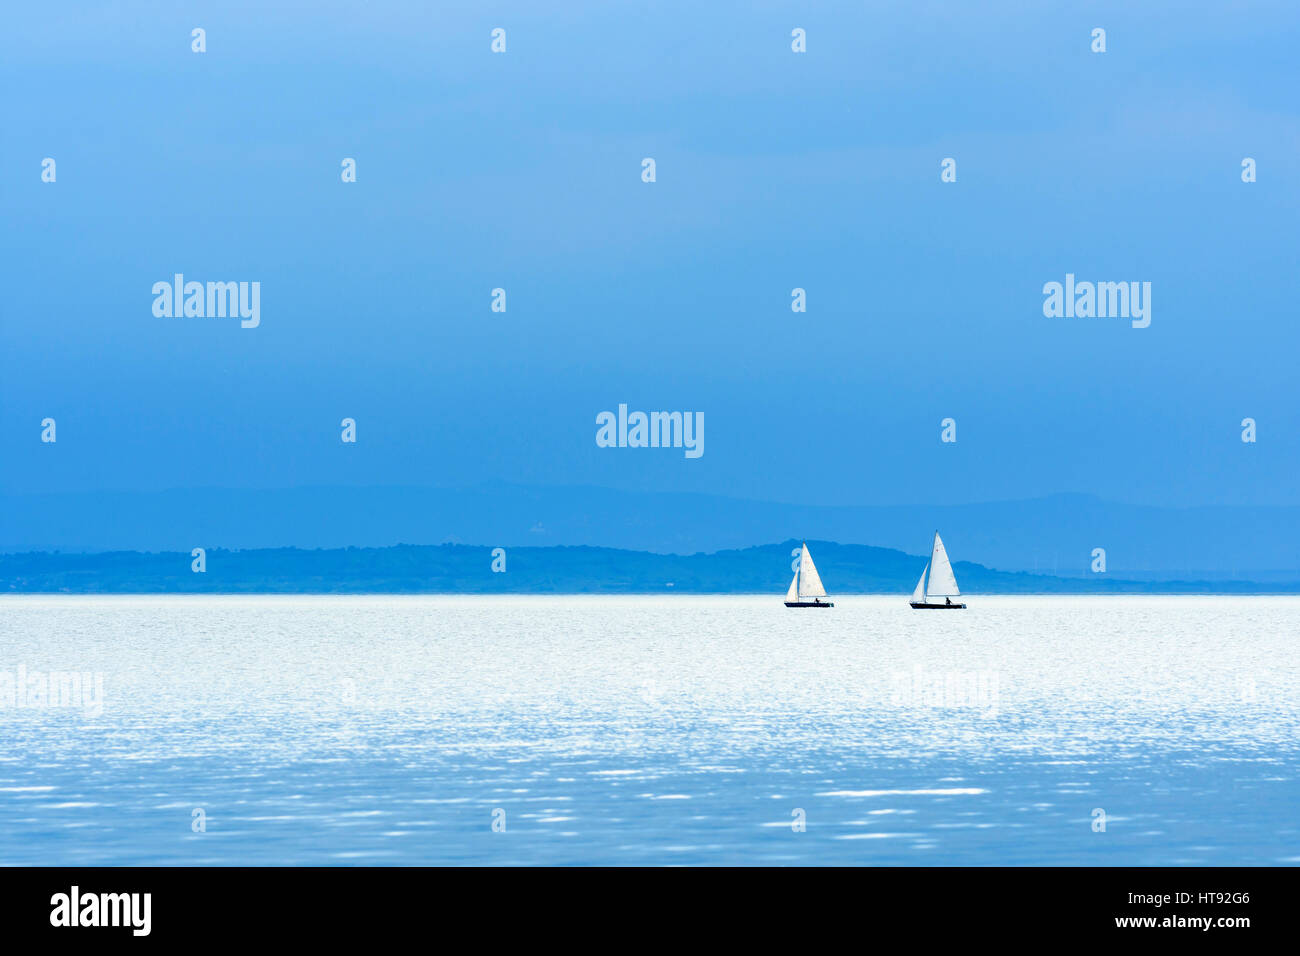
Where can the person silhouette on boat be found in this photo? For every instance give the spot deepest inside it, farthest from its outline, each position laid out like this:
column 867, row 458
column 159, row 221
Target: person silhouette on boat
column 947, row 600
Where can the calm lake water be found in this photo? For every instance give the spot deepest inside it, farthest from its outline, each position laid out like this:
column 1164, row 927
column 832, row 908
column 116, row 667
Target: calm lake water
column 650, row 730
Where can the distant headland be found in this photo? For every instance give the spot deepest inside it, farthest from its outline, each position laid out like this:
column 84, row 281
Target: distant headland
column 468, row 569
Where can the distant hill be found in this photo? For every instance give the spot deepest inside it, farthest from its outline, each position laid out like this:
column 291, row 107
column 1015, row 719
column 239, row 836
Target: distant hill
column 465, row 569
column 1054, row 535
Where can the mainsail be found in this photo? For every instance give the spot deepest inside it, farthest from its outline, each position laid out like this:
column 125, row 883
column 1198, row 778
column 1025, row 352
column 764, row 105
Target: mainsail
column 918, row 596
column 942, row 582
column 809, row 581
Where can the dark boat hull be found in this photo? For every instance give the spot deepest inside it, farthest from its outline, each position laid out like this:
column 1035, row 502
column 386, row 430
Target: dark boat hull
column 809, row 603
column 936, row 607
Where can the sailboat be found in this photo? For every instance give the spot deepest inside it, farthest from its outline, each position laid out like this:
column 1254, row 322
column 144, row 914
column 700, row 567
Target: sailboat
column 941, row 587
column 806, row 589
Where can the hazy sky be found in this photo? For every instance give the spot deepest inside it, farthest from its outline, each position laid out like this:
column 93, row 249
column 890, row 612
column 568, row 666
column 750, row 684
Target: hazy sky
column 775, row 170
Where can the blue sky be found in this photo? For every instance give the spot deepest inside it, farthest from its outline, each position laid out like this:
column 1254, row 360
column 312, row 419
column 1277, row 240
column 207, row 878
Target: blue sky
column 775, row 171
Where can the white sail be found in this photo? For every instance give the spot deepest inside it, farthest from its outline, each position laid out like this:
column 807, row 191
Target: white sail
column 918, row 596
column 942, row 582
column 810, row 582
column 792, row 595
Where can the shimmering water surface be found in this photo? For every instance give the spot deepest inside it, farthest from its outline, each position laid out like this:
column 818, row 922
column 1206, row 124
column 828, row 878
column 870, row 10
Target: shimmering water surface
column 654, row 730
